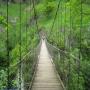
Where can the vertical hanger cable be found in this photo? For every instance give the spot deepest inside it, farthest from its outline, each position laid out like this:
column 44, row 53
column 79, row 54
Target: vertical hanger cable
column 54, row 20
column 20, row 57
column 8, row 58
column 81, row 18
column 69, row 63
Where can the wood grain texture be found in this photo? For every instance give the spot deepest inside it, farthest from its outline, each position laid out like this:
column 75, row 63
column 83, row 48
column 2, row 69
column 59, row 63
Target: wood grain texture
column 46, row 77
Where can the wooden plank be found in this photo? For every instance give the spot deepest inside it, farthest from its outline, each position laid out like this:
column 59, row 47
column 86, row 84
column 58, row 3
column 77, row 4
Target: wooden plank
column 46, row 88
column 46, row 77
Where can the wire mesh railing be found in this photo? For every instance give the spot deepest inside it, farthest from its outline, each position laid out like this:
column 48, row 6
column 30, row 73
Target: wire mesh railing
column 67, row 66
column 23, row 80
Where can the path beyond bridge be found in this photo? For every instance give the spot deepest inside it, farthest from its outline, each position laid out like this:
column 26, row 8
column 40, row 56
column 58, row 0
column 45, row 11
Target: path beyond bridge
column 46, row 77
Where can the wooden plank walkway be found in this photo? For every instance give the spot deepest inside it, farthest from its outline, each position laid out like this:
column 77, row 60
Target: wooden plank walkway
column 46, row 77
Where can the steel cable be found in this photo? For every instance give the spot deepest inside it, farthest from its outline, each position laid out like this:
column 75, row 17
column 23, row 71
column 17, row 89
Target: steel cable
column 69, row 63
column 80, row 38
column 54, row 19
column 8, row 57
column 20, row 43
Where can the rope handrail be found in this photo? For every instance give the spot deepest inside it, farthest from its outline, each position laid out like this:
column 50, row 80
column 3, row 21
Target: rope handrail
column 24, row 57
column 65, row 52
column 31, row 56
column 21, row 60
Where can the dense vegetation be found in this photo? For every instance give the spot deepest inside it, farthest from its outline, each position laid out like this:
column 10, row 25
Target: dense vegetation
column 70, row 33
column 29, row 36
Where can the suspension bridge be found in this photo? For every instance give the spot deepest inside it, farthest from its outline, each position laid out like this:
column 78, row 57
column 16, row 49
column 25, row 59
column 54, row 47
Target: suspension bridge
column 46, row 66
column 46, row 77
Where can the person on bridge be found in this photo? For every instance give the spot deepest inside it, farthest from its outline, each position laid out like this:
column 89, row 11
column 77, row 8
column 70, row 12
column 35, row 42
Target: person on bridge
column 43, row 37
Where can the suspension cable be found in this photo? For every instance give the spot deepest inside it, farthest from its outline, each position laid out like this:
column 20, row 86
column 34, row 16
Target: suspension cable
column 26, row 30
column 81, row 20
column 20, row 43
column 8, row 57
column 54, row 19
column 57, row 31
column 61, row 24
column 35, row 14
column 30, row 17
column 64, row 41
column 65, row 28
column 58, row 24
column 69, row 63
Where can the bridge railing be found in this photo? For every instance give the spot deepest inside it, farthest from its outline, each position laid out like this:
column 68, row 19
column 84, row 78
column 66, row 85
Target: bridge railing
column 67, row 66
column 21, row 75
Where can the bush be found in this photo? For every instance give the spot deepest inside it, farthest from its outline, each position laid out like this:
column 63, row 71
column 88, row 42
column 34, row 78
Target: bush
column 3, row 79
column 50, row 6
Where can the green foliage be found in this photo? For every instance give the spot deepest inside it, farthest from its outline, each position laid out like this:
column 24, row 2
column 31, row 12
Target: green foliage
column 15, row 54
column 72, row 42
column 3, row 78
column 45, row 10
column 50, row 6
column 27, row 42
column 3, row 21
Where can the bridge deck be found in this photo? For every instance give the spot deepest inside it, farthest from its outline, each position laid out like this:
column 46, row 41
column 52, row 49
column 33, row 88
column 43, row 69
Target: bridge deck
column 46, row 77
